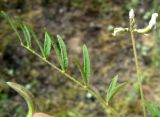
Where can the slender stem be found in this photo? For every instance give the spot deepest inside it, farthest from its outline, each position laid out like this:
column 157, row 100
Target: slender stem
column 138, row 71
column 87, row 88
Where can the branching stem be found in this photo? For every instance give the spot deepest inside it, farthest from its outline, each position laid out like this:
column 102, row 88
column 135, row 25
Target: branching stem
column 87, row 88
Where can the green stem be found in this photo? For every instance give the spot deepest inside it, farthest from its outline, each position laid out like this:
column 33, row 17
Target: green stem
column 26, row 95
column 87, row 88
column 138, row 71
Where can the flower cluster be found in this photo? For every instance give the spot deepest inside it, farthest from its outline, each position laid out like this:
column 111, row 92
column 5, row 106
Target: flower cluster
column 148, row 28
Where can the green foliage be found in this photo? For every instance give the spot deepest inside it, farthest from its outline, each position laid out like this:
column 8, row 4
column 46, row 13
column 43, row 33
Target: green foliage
column 153, row 108
column 27, row 35
column 56, row 49
column 46, row 48
column 81, row 69
column 113, row 88
column 47, row 45
column 37, row 40
column 61, row 53
column 64, row 56
column 84, row 69
column 13, row 25
column 86, row 65
column 26, row 95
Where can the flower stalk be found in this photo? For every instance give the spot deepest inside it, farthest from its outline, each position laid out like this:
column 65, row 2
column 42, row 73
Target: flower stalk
column 132, row 31
column 138, row 71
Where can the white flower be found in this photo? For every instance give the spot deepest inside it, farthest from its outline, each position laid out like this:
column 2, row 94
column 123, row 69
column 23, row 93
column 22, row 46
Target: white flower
column 131, row 14
column 118, row 30
column 152, row 22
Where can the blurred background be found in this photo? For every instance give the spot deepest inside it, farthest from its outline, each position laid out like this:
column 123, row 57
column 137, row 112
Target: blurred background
column 79, row 21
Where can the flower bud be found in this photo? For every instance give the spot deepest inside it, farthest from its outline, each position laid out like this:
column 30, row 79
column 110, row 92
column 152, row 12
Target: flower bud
column 152, row 22
column 119, row 30
column 131, row 14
